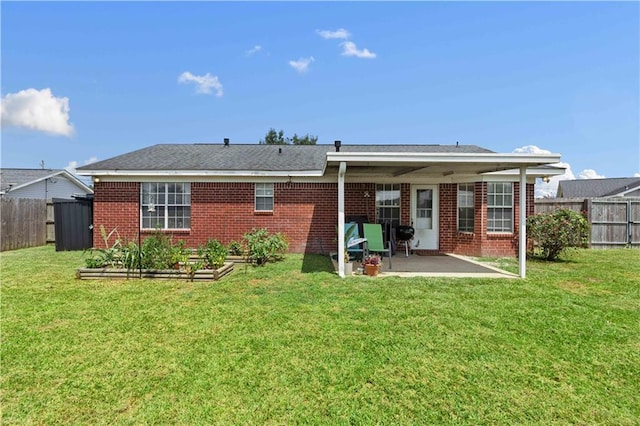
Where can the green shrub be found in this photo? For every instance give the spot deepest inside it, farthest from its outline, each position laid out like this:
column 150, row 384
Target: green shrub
column 179, row 255
column 157, row 252
column 263, row 247
column 235, row 248
column 95, row 259
column 557, row 231
column 214, row 254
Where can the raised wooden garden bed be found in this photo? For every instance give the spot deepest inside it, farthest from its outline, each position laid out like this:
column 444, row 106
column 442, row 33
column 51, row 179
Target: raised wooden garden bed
column 230, row 258
column 200, row 275
column 237, row 259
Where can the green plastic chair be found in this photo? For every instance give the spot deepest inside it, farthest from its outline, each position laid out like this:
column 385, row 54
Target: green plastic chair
column 375, row 243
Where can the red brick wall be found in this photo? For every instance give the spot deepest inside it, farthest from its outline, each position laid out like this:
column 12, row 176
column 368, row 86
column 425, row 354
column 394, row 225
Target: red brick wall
column 115, row 206
column 478, row 243
column 305, row 212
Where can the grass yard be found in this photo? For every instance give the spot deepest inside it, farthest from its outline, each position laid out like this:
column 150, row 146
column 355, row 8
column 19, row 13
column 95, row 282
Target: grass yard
column 293, row 343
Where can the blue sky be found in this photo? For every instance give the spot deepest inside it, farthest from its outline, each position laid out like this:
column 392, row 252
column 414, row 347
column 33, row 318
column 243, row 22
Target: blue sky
column 87, row 81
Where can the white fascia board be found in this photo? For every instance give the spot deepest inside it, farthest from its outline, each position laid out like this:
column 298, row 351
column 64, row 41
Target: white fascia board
column 218, row 179
column 627, row 191
column 531, row 171
column 31, row 182
column 200, row 173
column 77, row 181
column 508, row 160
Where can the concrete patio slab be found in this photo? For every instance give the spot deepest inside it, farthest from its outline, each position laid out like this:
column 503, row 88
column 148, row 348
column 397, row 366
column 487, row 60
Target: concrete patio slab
column 442, row 265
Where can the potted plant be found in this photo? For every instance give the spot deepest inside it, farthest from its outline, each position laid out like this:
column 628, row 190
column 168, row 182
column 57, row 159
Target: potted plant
column 372, row 264
column 348, row 265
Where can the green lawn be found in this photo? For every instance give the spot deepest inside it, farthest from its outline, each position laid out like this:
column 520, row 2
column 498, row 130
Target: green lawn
column 292, row 343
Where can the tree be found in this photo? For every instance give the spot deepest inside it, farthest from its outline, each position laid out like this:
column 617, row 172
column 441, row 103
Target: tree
column 556, row 231
column 277, row 138
column 274, row 138
column 305, row 140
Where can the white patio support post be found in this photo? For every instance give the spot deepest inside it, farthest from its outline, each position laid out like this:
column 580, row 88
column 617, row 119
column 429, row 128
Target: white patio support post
column 522, row 245
column 341, row 172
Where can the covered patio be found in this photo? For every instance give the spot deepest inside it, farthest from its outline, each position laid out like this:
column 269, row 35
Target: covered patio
column 437, row 168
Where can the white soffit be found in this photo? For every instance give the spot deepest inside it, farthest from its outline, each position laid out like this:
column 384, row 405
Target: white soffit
column 471, row 162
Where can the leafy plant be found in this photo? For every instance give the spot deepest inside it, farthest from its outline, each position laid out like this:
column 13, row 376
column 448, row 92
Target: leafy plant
column 235, row 248
column 108, row 256
column 130, row 256
column 214, row 253
column 192, row 267
column 557, row 231
column 106, row 237
column 263, row 247
column 95, row 259
column 372, row 259
column 179, row 254
column 157, row 252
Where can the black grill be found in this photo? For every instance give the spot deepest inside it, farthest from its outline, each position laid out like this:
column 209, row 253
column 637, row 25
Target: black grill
column 404, row 232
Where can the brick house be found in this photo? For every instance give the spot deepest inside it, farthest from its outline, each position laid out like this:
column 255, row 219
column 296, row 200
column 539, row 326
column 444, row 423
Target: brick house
column 461, row 199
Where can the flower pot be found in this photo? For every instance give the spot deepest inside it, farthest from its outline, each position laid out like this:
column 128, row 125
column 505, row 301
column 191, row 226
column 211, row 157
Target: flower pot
column 371, row 270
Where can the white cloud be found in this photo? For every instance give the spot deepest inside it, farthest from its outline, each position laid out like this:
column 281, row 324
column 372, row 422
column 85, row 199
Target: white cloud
column 255, row 49
column 530, row 149
column 636, row 175
column 349, row 48
column 203, row 83
column 73, row 165
column 589, row 174
column 340, row 33
column 37, row 110
column 549, row 189
column 302, row 64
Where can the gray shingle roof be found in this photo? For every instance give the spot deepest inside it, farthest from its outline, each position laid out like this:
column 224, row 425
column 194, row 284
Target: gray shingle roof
column 18, row 177
column 236, row 157
column 593, row 188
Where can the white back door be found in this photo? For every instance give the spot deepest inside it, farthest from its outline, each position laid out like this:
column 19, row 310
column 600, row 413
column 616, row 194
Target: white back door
column 424, row 217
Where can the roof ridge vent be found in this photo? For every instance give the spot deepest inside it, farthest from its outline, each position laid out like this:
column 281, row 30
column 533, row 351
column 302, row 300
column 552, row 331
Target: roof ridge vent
column 226, row 141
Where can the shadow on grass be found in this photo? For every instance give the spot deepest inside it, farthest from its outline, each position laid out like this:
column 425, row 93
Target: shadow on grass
column 559, row 260
column 313, row 263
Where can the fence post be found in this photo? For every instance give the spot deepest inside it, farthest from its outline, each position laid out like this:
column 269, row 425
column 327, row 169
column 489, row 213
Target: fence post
column 629, row 223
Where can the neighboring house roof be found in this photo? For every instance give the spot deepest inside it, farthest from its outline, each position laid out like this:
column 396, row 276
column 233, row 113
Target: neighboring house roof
column 241, row 157
column 594, row 188
column 13, row 179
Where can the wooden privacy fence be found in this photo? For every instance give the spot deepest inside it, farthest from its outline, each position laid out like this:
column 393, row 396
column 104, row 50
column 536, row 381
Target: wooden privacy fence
column 24, row 223
column 614, row 222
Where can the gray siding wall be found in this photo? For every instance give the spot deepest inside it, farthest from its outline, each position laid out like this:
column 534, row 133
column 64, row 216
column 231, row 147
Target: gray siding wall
column 62, row 188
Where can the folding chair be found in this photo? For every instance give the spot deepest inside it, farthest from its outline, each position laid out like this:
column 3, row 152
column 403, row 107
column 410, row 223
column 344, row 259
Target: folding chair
column 375, row 243
column 353, row 242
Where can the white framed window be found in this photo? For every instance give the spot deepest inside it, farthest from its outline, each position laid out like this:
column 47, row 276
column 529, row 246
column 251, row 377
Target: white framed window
column 264, row 197
column 466, row 211
column 165, row 205
column 499, row 207
column 388, row 203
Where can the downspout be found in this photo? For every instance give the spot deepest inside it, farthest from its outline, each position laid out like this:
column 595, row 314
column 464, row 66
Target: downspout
column 522, row 245
column 341, row 172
